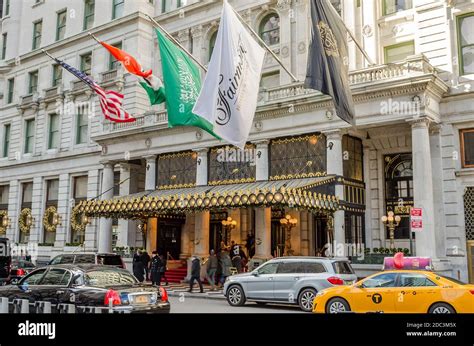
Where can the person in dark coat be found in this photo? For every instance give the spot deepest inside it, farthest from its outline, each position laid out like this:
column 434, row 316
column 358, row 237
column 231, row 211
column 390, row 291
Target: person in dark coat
column 155, row 268
column 138, row 267
column 163, row 269
column 195, row 274
column 250, row 245
column 146, row 263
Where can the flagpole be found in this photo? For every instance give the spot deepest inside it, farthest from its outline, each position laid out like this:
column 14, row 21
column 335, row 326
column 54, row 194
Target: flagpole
column 357, row 43
column 95, row 38
column 177, row 43
column 265, row 45
column 45, row 52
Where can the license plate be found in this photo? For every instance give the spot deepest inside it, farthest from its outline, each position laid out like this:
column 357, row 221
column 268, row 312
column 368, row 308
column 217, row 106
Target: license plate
column 143, row 299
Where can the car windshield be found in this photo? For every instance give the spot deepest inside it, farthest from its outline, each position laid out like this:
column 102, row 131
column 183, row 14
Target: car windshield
column 105, row 278
column 342, row 267
column 453, row 280
column 109, row 260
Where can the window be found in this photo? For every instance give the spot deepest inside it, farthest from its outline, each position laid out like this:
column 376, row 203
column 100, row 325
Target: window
column 465, row 24
column 382, row 280
column 4, row 192
column 11, row 87
column 165, row 6
column 37, row 29
column 34, row 278
column 270, row 29
column 114, row 63
column 80, row 187
column 290, row 267
column 342, row 268
column 352, row 158
column 270, row 79
column 117, row 8
column 415, row 280
column 29, row 135
column 53, row 138
column 6, row 140
column 394, row 6
column 314, row 268
column 52, row 193
column 32, row 82
column 27, row 194
column 89, row 8
column 399, row 52
column 57, row 75
column 7, row 7
column 86, row 63
column 56, row 277
column 61, row 25
column 82, row 128
column 467, row 147
column 4, row 46
column 269, row 268
column 212, row 44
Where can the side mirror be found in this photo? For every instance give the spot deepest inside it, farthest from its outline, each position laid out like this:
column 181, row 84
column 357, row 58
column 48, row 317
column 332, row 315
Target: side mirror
column 255, row 273
column 360, row 286
column 73, row 280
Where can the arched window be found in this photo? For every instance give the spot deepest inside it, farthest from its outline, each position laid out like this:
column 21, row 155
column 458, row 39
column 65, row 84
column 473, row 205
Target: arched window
column 270, row 29
column 212, row 43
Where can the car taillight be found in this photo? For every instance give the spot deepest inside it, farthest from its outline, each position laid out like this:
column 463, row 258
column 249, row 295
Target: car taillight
column 472, row 291
column 164, row 294
column 335, row 280
column 20, row 272
column 112, row 296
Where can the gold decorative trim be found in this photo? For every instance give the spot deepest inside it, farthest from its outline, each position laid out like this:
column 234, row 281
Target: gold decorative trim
column 3, row 214
column 247, row 146
column 298, row 176
column 231, row 181
column 176, row 186
column 174, row 155
column 296, row 139
column 49, row 212
column 24, row 228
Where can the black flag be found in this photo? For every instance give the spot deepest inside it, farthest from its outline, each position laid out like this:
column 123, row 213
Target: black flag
column 327, row 59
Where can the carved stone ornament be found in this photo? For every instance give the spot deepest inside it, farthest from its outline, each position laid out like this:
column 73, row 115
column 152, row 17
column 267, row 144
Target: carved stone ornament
column 367, row 31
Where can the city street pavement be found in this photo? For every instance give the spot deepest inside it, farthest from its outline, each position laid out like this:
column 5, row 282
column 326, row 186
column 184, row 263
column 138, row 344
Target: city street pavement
column 187, row 304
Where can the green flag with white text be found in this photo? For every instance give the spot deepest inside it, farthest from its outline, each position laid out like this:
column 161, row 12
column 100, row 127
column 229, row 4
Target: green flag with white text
column 154, row 89
column 182, row 84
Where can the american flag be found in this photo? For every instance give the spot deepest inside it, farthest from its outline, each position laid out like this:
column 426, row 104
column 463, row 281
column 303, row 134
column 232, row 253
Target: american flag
column 110, row 101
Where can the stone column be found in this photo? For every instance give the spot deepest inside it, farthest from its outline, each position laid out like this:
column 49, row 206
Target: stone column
column 63, row 210
column 127, row 229
column 187, row 233
column 335, row 166
column 201, row 233
column 262, row 169
column 13, row 210
column 287, row 19
column 263, row 233
column 201, row 166
column 37, row 211
column 235, row 234
column 92, row 230
column 423, row 186
column 349, row 17
column 105, row 233
column 150, row 179
column 370, row 29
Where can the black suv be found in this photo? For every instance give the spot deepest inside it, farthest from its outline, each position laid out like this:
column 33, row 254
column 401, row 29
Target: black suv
column 5, row 262
column 108, row 259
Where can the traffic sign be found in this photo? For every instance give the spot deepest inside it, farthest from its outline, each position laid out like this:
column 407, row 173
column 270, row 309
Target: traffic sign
column 416, row 219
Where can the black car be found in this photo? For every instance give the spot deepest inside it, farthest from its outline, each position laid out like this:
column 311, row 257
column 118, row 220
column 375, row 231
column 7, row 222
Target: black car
column 88, row 286
column 20, row 268
column 108, row 259
column 5, row 262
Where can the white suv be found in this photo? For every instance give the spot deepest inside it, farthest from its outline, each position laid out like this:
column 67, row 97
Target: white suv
column 288, row 280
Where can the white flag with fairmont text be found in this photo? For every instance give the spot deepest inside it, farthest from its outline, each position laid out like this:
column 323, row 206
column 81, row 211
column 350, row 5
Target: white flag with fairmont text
column 228, row 97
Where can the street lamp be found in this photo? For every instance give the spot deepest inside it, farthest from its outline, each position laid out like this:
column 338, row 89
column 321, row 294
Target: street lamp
column 288, row 223
column 391, row 221
column 229, row 225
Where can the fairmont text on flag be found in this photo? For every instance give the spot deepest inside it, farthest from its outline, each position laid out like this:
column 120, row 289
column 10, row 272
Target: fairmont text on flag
column 228, row 98
column 327, row 60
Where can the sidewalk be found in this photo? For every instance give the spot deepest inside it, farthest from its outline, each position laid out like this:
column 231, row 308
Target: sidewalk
column 181, row 290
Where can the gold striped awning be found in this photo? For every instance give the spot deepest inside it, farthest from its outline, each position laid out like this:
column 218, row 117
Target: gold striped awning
column 294, row 193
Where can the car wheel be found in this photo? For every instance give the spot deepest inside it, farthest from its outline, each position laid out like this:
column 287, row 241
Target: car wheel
column 441, row 308
column 235, row 296
column 337, row 305
column 306, row 298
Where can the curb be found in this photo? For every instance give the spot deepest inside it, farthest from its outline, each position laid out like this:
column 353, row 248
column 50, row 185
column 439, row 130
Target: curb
column 196, row 295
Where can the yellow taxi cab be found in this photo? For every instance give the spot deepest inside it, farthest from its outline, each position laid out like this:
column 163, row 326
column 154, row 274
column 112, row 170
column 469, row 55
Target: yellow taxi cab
column 398, row 291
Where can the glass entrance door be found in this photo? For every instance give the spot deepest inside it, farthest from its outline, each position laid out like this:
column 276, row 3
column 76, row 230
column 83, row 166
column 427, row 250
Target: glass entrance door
column 320, row 235
column 169, row 239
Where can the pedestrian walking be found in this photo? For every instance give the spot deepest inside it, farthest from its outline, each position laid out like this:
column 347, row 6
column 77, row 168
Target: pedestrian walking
column 138, row 268
column 226, row 263
column 164, row 261
column 155, row 269
column 195, row 274
column 146, row 263
column 212, row 264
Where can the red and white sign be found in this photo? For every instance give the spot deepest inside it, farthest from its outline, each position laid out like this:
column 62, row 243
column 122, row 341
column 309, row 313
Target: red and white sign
column 416, row 219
